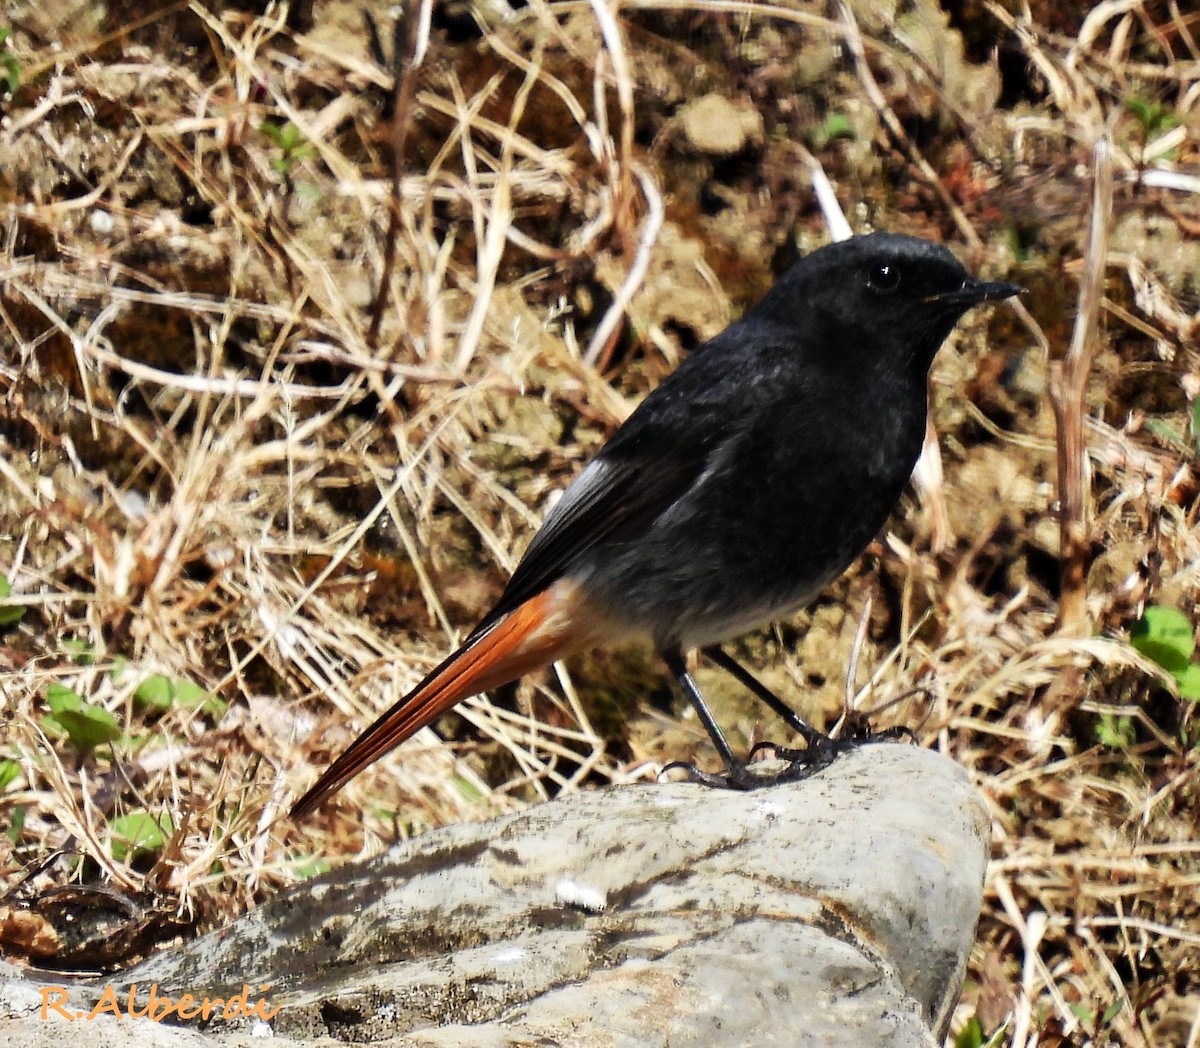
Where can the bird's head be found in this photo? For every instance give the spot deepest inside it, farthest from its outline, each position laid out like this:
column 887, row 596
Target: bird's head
column 891, row 296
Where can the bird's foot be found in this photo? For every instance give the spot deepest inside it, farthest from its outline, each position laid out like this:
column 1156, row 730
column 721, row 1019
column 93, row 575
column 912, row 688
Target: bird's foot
column 732, row 779
column 738, row 776
column 741, row 776
column 820, row 752
column 858, row 730
column 824, row 749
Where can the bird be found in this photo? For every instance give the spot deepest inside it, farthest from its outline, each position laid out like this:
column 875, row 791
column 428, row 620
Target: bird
column 736, row 491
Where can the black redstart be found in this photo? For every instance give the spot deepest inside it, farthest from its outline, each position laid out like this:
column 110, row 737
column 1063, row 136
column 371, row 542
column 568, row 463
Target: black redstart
column 733, row 495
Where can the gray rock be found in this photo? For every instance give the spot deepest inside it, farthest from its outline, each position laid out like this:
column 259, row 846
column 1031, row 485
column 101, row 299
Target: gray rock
column 837, row 910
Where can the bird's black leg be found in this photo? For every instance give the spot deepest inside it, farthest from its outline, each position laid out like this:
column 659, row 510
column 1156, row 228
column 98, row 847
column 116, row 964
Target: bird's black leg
column 736, row 776
column 744, row 677
column 820, row 749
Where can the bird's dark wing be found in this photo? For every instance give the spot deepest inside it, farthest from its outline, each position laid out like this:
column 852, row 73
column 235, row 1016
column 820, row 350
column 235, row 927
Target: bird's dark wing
column 653, row 459
column 619, row 493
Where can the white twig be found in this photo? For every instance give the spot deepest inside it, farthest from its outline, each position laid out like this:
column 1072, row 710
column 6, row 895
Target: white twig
column 827, row 201
column 637, row 272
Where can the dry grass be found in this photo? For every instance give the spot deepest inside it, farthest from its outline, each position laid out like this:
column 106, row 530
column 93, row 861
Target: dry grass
column 230, row 457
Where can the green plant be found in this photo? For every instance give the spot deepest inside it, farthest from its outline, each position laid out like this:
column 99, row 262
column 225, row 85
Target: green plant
column 290, row 142
column 84, row 723
column 10, row 770
column 1168, row 434
column 80, row 650
column 1153, row 116
column 835, row 125
column 312, row 866
column 16, row 824
column 139, row 833
column 1098, row 1024
column 161, row 694
column 971, row 1036
column 467, row 790
column 10, row 67
column 1165, row 637
column 10, row 613
column 1115, row 731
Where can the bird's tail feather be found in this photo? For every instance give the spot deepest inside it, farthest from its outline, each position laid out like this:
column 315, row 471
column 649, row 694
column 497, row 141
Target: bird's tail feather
column 542, row 630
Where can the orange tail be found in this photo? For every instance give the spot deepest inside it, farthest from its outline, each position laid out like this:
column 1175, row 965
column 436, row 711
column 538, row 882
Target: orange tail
column 545, row 628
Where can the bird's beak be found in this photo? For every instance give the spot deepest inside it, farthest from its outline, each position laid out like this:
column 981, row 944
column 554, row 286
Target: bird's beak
column 973, row 292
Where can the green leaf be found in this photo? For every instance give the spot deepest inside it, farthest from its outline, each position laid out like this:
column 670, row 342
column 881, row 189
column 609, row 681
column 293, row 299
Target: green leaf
column 1167, row 433
column 131, row 744
column 1188, row 681
column 158, row 692
column 467, row 790
column 273, row 131
column 139, row 833
column 86, row 724
column 9, row 770
column 1083, row 1013
column 1111, row 1012
column 188, row 693
column 79, row 649
column 1141, row 109
column 1154, row 116
column 12, row 613
column 291, row 143
column 971, row 1035
column 11, row 78
column 1164, row 636
column 13, row 833
column 835, row 125
column 312, row 867
column 1115, row 732
column 154, row 693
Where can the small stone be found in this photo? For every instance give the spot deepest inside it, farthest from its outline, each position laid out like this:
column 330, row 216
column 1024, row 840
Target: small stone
column 101, row 222
column 720, row 127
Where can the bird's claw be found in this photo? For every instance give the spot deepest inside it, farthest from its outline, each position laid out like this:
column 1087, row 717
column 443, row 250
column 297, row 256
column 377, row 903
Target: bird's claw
column 800, row 764
column 859, row 731
column 825, row 749
column 820, row 751
column 717, row 781
column 738, row 776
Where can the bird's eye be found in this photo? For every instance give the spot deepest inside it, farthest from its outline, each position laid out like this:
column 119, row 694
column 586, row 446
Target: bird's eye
column 883, row 277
